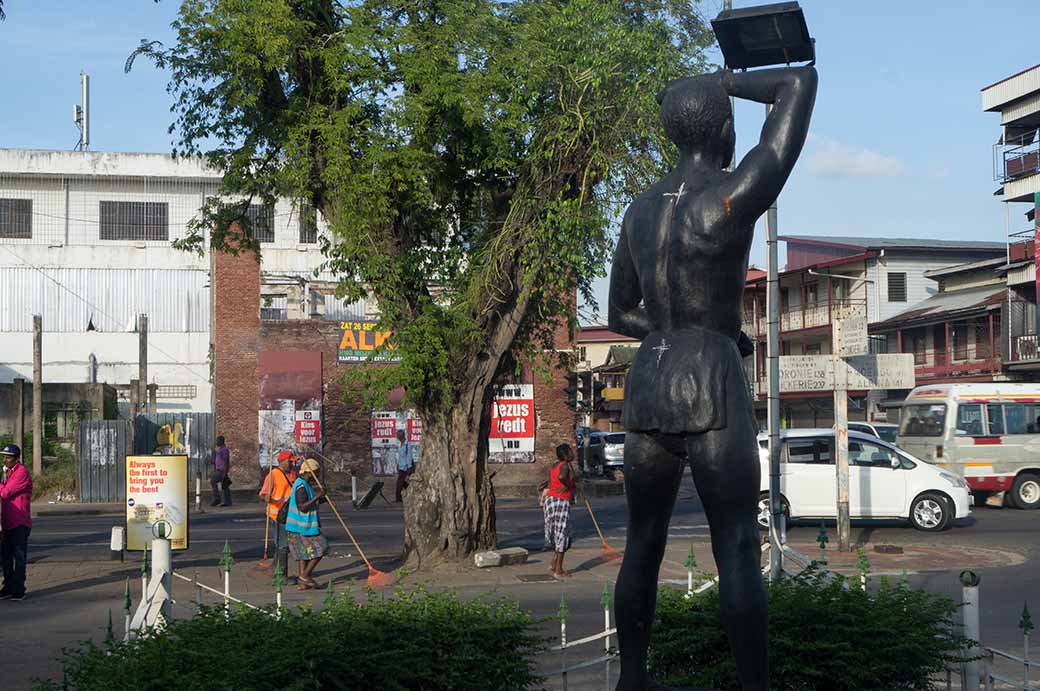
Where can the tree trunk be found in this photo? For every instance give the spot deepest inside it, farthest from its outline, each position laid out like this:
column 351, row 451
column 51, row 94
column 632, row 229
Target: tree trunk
column 450, row 503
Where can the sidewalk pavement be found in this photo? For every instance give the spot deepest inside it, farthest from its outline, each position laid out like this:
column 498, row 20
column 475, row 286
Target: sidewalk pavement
column 587, row 565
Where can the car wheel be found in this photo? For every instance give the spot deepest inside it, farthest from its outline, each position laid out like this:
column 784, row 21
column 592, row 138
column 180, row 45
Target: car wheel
column 1025, row 492
column 764, row 512
column 930, row 512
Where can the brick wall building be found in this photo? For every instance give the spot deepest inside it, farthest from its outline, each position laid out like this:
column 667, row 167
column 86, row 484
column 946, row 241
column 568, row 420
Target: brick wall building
column 239, row 335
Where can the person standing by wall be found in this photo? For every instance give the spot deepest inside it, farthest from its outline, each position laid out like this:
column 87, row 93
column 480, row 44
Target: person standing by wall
column 220, row 481
column 16, row 517
column 405, row 463
column 556, row 505
column 276, row 491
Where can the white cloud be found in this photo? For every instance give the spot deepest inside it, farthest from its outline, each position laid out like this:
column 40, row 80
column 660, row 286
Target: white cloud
column 831, row 157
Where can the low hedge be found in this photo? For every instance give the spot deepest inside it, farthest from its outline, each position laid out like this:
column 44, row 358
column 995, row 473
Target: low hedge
column 822, row 637
column 414, row 640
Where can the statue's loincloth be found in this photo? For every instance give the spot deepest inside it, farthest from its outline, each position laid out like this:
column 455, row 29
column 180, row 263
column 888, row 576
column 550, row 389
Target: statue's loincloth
column 680, row 380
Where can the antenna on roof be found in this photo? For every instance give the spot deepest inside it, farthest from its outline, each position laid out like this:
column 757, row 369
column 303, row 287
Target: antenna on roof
column 81, row 113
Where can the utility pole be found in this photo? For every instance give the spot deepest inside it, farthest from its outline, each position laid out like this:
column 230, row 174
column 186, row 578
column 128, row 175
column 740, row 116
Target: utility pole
column 142, row 364
column 588, row 417
column 37, row 420
column 777, row 526
column 18, row 403
column 841, row 438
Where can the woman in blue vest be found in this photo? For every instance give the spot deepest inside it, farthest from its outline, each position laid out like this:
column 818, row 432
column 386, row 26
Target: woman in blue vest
column 306, row 542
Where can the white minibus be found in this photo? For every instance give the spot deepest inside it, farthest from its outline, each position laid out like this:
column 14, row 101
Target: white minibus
column 988, row 433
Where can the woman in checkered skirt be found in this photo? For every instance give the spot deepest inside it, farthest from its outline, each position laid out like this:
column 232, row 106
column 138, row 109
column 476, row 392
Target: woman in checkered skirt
column 556, row 504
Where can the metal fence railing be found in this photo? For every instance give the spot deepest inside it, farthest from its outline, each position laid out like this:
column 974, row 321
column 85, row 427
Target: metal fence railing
column 987, row 668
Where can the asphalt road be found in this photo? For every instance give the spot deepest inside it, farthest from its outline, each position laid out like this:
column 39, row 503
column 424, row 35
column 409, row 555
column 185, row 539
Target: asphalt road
column 67, row 613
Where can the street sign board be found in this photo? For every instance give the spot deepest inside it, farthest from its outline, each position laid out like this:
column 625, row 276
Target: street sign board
column 806, row 373
column 892, row 371
column 816, row 372
column 850, row 336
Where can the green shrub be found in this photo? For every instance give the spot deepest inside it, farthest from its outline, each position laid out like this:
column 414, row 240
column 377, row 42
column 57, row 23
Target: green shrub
column 822, row 638
column 62, row 475
column 414, row 640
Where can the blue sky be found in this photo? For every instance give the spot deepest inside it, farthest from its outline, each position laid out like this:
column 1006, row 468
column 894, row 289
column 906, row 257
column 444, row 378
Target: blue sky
column 898, row 147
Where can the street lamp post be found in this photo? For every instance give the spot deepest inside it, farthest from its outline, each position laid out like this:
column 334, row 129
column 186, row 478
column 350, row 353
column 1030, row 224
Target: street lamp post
column 751, row 37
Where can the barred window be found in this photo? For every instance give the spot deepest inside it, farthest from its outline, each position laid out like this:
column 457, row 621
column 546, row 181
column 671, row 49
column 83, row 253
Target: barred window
column 134, row 221
column 274, row 307
column 16, row 219
column 897, row 286
column 261, row 218
column 308, row 225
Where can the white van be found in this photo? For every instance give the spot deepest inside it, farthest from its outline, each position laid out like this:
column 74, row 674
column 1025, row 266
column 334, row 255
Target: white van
column 884, row 482
column 987, row 433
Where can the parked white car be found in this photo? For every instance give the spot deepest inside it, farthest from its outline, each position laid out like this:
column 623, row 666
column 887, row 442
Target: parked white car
column 884, row 481
column 882, row 430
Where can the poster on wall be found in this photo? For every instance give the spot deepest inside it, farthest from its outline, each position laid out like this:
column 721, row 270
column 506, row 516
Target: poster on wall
column 291, row 395
column 362, row 342
column 511, row 437
column 308, row 427
column 384, row 442
column 385, row 425
column 277, row 431
column 414, row 429
column 156, row 500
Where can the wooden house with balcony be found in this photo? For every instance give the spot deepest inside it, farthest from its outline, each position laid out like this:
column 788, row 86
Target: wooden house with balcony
column 827, row 277
column 957, row 333
column 1016, row 167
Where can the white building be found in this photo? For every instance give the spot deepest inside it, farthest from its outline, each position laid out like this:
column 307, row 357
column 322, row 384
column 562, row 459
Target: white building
column 85, row 241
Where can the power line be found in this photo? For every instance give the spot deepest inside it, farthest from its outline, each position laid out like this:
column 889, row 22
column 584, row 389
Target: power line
column 100, row 311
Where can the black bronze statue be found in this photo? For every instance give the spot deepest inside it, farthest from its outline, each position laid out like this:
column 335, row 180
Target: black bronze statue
column 677, row 284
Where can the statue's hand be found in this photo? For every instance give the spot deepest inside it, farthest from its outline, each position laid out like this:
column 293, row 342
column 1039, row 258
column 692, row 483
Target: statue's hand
column 744, row 345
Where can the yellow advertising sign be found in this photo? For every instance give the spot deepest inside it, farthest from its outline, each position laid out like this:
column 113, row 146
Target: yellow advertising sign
column 361, row 342
column 156, row 500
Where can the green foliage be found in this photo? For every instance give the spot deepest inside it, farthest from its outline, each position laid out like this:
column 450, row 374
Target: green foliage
column 822, row 637
column 415, row 640
column 61, row 475
column 468, row 155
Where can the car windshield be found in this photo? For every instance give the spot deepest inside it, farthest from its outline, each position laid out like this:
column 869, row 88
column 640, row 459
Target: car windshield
column 927, row 420
column 614, row 439
column 888, row 433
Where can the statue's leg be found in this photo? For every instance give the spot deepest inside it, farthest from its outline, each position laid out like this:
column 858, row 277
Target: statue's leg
column 726, row 471
column 653, row 471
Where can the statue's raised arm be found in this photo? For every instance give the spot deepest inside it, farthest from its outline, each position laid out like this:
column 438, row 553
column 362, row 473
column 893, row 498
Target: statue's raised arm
column 757, row 181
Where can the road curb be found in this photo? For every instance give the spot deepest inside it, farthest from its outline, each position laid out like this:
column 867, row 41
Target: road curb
column 77, row 510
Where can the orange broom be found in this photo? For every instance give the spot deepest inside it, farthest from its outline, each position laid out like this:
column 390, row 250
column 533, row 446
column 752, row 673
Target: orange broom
column 376, row 578
column 608, row 552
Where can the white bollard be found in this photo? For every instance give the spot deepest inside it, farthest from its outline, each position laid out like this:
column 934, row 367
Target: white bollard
column 353, row 488
column 162, row 569
column 198, row 492
column 116, row 544
column 970, row 593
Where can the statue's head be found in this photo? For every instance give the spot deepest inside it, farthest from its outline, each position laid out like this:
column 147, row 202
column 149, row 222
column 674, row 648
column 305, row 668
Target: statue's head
column 697, row 116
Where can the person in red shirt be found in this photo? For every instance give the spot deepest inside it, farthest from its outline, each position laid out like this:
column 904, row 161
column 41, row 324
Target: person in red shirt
column 556, row 505
column 15, row 522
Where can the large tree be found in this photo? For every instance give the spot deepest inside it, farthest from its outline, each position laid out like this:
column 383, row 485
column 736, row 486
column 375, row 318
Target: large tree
column 468, row 157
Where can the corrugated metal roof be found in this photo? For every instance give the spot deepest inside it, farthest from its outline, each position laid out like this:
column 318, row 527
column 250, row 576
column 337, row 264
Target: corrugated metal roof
column 949, row 304
column 175, row 300
column 1011, row 88
column 896, row 243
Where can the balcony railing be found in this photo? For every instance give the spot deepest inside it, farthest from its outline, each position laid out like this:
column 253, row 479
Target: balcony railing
column 810, row 316
column 1026, row 347
column 1021, row 161
column 969, row 360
